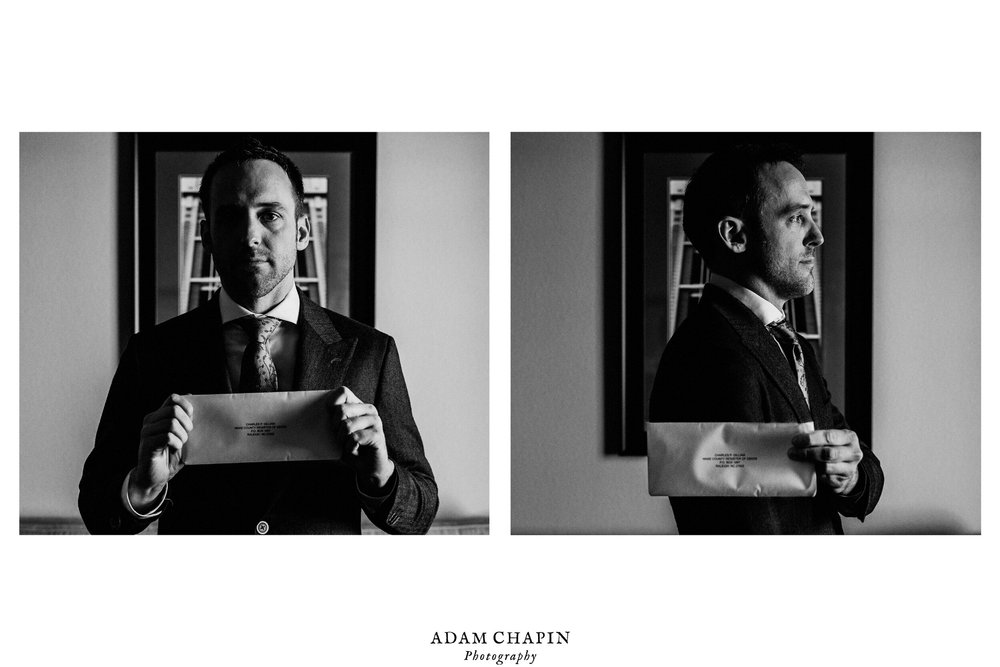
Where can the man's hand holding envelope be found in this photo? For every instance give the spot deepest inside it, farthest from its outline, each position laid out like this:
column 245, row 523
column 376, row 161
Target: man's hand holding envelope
column 360, row 429
column 750, row 459
column 259, row 427
column 835, row 453
column 161, row 442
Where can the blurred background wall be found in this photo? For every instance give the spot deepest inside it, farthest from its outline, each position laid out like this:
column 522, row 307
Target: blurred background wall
column 432, row 291
column 926, row 342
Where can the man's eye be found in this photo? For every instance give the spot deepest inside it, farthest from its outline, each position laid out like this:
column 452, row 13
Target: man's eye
column 269, row 216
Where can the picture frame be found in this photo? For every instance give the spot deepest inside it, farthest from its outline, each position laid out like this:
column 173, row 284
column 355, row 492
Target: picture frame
column 640, row 170
column 162, row 279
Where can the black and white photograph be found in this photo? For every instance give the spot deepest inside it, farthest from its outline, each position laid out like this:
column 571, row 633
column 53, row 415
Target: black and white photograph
column 500, row 334
column 255, row 327
column 777, row 331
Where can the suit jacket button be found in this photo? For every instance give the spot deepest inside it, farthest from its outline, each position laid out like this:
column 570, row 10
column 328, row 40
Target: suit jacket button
column 262, row 528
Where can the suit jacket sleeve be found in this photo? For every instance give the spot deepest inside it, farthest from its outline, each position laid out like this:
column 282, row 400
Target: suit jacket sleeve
column 413, row 505
column 114, row 453
column 866, row 493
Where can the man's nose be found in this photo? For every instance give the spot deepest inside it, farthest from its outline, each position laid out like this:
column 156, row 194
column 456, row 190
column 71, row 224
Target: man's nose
column 251, row 230
column 814, row 237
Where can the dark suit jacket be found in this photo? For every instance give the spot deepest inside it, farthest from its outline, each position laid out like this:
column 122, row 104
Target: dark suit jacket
column 185, row 355
column 722, row 365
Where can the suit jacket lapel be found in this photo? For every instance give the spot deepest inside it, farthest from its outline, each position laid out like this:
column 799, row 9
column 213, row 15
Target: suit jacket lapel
column 204, row 360
column 323, row 355
column 755, row 337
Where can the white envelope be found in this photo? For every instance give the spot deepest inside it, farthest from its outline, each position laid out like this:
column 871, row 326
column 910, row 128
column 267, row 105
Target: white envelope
column 269, row 426
column 726, row 459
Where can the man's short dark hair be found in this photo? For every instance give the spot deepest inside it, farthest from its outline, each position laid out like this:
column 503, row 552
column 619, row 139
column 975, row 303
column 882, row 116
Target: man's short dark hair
column 728, row 183
column 248, row 150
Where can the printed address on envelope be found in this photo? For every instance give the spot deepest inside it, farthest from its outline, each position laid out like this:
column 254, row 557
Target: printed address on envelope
column 726, row 459
column 262, row 427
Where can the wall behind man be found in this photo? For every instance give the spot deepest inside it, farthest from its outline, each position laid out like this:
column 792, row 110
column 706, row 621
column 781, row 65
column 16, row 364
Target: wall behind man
column 561, row 480
column 68, row 315
column 431, row 277
column 432, row 296
column 925, row 342
column 926, row 333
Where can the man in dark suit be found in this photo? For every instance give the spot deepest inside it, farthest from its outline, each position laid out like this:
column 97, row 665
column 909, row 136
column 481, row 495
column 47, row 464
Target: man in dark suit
column 257, row 334
column 734, row 359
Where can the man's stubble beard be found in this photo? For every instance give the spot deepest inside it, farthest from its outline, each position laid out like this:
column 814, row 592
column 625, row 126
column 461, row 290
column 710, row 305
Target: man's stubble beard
column 786, row 277
column 253, row 285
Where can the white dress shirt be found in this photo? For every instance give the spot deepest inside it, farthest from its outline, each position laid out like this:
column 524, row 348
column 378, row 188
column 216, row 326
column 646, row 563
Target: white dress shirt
column 765, row 311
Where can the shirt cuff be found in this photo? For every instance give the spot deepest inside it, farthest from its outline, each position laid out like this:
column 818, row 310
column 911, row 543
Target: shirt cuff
column 155, row 512
column 372, row 503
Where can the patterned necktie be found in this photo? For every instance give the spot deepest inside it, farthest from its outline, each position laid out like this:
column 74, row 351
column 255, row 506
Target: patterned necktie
column 257, row 372
column 789, row 343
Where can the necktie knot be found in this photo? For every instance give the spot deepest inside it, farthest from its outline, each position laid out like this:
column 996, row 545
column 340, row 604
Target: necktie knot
column 782, row 328
column 259, row 329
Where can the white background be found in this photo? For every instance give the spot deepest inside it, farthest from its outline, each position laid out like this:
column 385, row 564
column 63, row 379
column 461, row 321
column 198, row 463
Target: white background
column 505, row 67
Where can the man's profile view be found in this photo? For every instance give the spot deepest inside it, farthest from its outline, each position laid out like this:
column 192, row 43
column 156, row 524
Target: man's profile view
column 258, row 333
column 748, row 212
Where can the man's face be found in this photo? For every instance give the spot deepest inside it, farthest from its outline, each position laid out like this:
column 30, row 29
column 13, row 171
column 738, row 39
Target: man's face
column 253, row 233
column 783, row 251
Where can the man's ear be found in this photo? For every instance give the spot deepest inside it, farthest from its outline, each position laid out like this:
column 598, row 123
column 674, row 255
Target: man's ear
column 733, row 233
column 206, row 236
column 303, row 231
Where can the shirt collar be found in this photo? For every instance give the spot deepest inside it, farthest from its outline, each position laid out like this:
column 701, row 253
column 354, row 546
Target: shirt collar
column 765, row 311
column 287, row 310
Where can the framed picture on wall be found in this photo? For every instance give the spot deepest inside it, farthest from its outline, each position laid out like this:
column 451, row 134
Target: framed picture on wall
column 173, row 273
column 654, row 276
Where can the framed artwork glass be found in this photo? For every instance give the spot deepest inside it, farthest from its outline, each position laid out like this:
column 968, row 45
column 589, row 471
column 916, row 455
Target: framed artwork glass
column 654, row 276
column 173, row 273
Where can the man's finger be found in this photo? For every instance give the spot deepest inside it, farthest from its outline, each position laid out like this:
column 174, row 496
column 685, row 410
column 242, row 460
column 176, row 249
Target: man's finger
column 352, row 410
column 818, row 454
column 165, row 426
column 178, row 399
column 360, row 423
column 339, row 396
column 169, row 441
column 176, row 442
column 363, row 437
column 825, row 454
column 157, row 422
column 175, row 406
column 845, row 470
column 162, row 420
column 835, row 482
column 343, row 395
column 832, row 436
column 184, row 404
column 159, row 414
column 181, row 416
